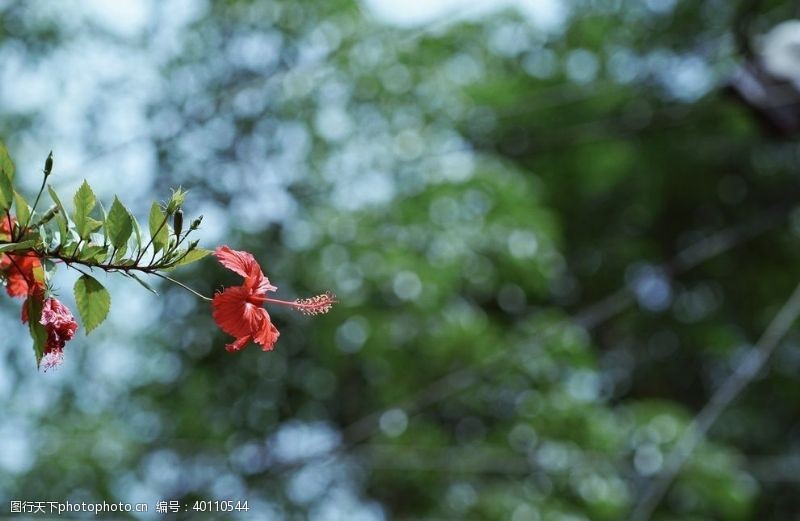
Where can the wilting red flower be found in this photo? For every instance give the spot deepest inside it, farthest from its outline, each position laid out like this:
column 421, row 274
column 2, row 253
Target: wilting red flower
column 60, row 326
column 18, row 268
column 238, row 311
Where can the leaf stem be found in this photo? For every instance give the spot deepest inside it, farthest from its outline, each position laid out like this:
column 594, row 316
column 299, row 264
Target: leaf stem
column 152, row 236
column 71, row 265
column 10, row 226
column 35, row 203
column 181, row 284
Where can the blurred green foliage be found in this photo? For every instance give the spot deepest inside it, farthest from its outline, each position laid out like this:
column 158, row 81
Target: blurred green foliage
column 469, row 192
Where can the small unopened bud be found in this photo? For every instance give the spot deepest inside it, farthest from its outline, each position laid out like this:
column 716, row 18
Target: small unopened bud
column 48, row 215
column 196, row 223
column 193, row 245
column 48, row 164
column 177, row 223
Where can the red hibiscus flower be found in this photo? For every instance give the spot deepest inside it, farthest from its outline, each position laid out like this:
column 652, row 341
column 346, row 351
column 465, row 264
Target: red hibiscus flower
column 238, row 309
column 6, row 225
column 60, row 326
column 21, row 271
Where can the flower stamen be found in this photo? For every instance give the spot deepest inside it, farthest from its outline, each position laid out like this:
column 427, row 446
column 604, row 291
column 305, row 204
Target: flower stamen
column 317, row 305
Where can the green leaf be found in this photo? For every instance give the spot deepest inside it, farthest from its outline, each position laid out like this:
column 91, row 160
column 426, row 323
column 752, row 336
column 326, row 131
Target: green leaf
column 6, row 193
column 71, row 247
column 16, row 246
column 44, row 235
column 22, row 208
column 33, row 307
column 85, row 202
column 6, row 179
column 118, row 224
column 61, row 215
column 136, row 231
column 120, row 254
column 105, row 218
column 39, row 274
column 93, row 225
column 146, row 286
column 159, row 230
column 93, row 301
column 93, row 253
column 193, row 256
column 6, row 164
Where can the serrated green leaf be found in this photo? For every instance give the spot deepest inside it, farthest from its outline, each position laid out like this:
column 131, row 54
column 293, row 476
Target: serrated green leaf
column 118, row 224
column 85, row 202
column 193, row 256
column 158, row 228
column 22, row 209
column 61, row 215
column 147, row 286
column 33, row 308
column 16, row 246
column 93, row 301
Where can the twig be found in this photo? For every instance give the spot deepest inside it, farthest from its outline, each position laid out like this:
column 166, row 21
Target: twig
column 181, row 284
column 35, row 204
column 750, row 366
column 71, row 265
column 152, row 236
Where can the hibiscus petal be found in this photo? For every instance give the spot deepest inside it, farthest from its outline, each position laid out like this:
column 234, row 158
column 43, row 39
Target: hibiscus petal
column 238, row 344
column 6, row 225
column 20, row 278
column 230, row 310
column 267, row 336
column 244, row 264
column 235, row 315
column 240, row 262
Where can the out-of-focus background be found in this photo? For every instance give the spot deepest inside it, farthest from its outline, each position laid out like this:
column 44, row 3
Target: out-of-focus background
column 555, row 228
